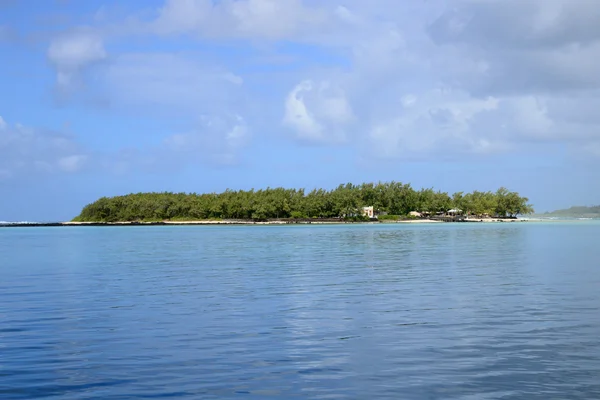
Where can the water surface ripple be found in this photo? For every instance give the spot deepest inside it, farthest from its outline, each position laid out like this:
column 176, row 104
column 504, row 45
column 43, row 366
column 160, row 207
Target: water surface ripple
column 465, row 311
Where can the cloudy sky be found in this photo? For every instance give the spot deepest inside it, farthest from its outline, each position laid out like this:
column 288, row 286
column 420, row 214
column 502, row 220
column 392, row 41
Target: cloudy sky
column 101, row 98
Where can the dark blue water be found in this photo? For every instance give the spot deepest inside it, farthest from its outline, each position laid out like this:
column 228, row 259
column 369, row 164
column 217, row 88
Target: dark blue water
column 466, row 311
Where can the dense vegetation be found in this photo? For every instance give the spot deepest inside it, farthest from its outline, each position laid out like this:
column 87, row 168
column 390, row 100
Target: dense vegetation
column 576, row 212
column 347, row 200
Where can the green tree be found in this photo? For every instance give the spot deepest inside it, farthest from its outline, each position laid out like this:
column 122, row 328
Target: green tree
column 345, row 200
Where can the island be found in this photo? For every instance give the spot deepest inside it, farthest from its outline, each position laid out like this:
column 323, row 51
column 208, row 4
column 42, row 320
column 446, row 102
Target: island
column 366, row 202
column 574, row 212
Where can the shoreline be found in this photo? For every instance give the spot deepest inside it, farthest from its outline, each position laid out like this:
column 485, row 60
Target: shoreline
column 272, row 222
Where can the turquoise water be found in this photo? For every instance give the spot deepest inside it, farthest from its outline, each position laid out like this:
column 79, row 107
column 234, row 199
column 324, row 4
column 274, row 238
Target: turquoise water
column 448, row 311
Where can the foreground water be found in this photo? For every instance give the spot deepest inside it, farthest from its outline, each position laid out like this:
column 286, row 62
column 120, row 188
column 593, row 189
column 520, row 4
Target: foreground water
column 466, row 311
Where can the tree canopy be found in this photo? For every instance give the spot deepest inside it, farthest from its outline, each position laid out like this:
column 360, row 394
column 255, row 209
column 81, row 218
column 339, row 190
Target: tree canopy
column 347, row 199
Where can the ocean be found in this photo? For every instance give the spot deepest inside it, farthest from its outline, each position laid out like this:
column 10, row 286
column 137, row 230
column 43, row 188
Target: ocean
column 380, row 311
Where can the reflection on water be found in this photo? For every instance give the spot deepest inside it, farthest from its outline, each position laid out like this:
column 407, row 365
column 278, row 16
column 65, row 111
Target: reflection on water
column 353, row 311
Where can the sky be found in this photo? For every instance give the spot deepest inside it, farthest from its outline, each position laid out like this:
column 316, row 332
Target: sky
column 104, row 98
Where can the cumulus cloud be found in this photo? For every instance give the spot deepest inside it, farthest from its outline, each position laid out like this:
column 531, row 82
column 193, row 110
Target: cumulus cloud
column 477, row 78
column 26, row 151
column 318, row 112
column 71, row 53
column 439, row 124
column 539, row 46
column 519, row 24
column 410, row 81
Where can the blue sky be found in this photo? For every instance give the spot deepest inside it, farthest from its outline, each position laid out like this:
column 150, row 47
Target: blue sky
column 101, row 98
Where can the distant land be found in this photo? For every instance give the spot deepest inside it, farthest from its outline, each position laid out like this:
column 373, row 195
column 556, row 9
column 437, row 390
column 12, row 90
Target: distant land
column 383, row 200
column 574, row 212
column 366, row 202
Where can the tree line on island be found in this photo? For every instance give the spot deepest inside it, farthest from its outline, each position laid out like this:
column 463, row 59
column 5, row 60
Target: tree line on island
column 391, row 200
column 575, row 212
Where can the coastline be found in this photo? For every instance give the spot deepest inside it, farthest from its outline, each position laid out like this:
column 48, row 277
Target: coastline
column 270, row 222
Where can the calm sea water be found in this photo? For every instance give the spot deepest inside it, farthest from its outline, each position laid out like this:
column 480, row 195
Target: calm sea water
column 465, row 311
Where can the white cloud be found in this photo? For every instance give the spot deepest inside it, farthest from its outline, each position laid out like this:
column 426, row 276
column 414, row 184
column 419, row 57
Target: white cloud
column 516, row 23
column 238, row 80
column 481, row 85
column 318, row 112
column 439, row 124
column 408, row 100
column 531, row 116
column 273, row 18
column 216, row 140
column 72, row 163
column 262, row 19
column 408, row 80
column 26, row 151
column 538, row 46
column 72, row 53
column 346, row 15
column 170, row 83
column 3, row 124
column 182, row 86
column 298, row 116
column 183, row 16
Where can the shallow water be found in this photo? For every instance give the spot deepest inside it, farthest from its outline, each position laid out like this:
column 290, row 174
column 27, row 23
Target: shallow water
column 448, row 311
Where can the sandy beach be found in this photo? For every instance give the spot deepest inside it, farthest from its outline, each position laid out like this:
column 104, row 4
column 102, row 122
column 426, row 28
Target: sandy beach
column 275, row 222
column 218, row 222
column 291, row 222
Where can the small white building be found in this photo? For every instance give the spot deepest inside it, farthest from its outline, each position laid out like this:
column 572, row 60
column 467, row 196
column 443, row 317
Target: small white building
column 369, row 212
